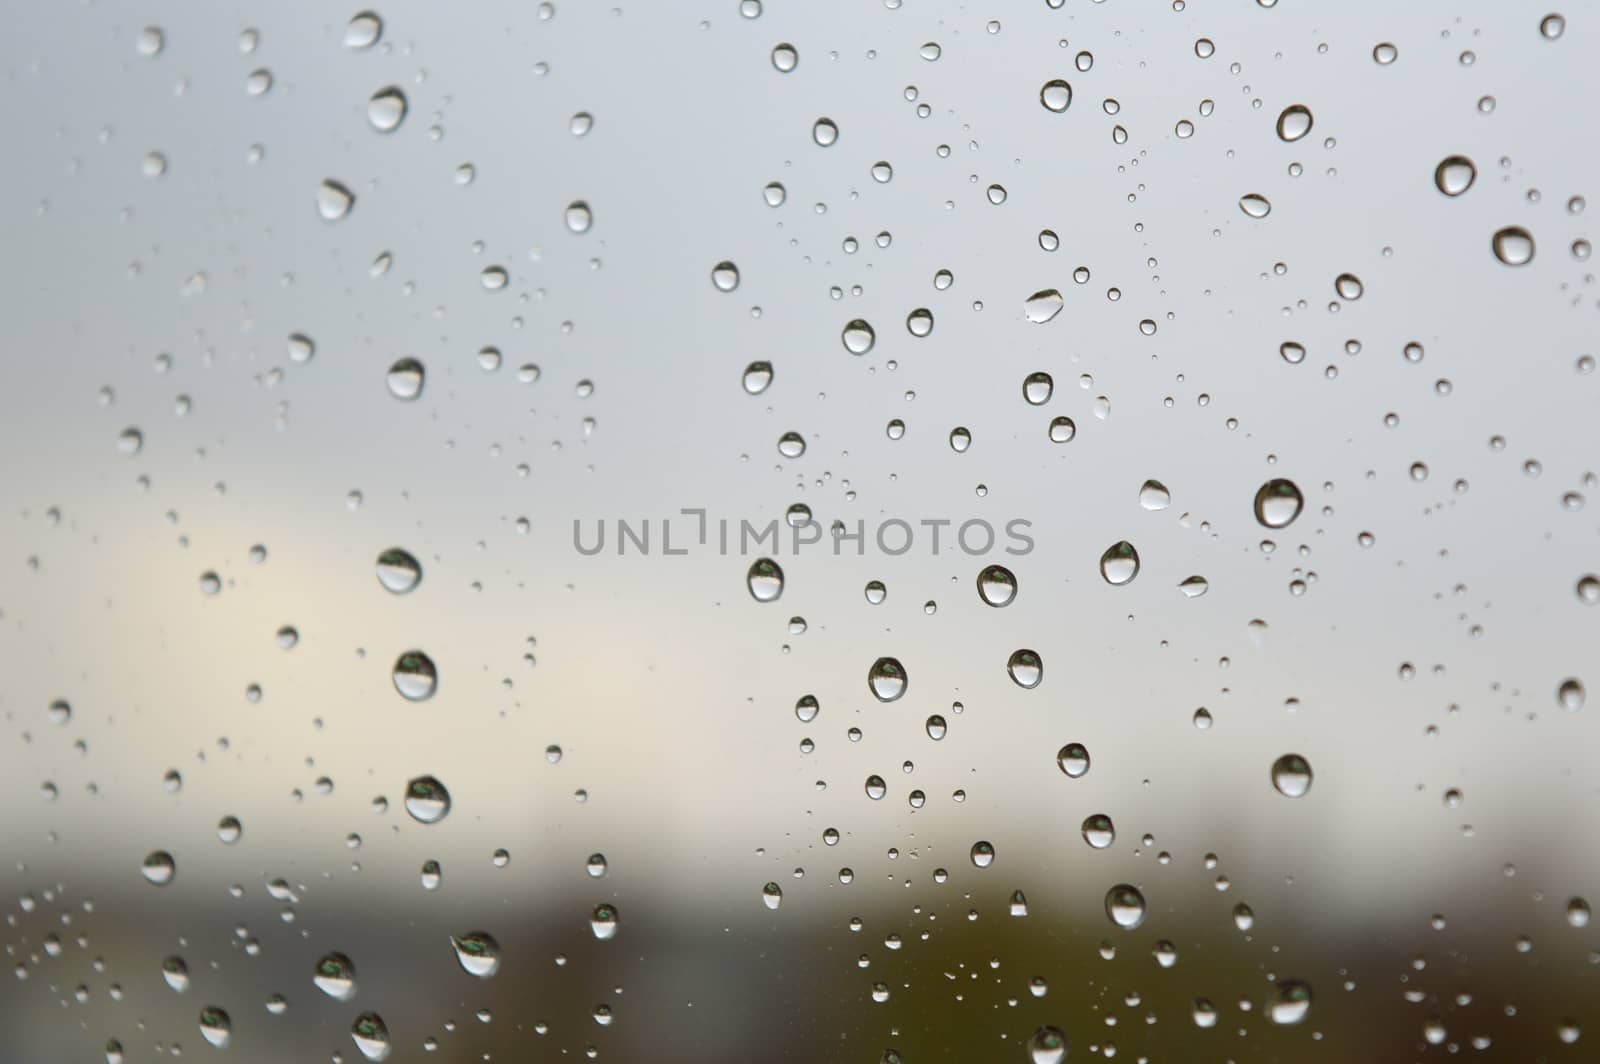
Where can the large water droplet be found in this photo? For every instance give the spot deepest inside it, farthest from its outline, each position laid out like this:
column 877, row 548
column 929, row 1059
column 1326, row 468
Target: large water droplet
column 757, row 375
column 215, row 1026
column 1055, row 95
column 334, row 200
column 415, row 676
column 335, row 975
column 405, row 378
column 858, row 337
column 887, row 679
column 578, row 217
column 982, row 854
column 1513, row 245
column 1098, row 831
column 387, row 109
column 1153, row 495
column 176, row 973
column 825, row 132
column 1036, row 388
column 1278, row 503
column 478, row 953
column 427, row 800
column 1119, row 564
column 1570, row 694
column 1025, row 668
column 603, row 922
column 1042, row 305
column 1125, row 906
column 1291, row 775
column 1454, row 175
column 1062, row 429
column 1073, row 760
column 371, row 1036
column 772, row 895
column 1289, row 1003
column 398, row 571
column 997, row 585
column 159, row 868
column 785, row 57
column 1047, row 1046
column 1255, row 205
column 725, row 276
column 363, row 30
column 765, row 580
column 1294, row 122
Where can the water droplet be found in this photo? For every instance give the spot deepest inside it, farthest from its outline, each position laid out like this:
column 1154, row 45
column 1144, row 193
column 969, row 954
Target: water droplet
column 919, row 322
column 257, row 82
column 1348, row 286
column 1056, row 95
column 785, row 57
column 774, row 193
column 159, row 868
column 1255, row 205
column 791, row 445
column 930, row 51
column 405, row 378
column 725, row 276
column 1454, row 175
column 335, row 976
column 151, row 41
column 426, row 800
column 824, row 132
column 1588, row 589
column 1026, row 668
column 876, row 788
column 363, row 30
column 772, row 895
column 1119, row 564
column 1384, row 53
column 1036, row 388
column 1278, row 503
column 398, row 571
column 1194, row 586
column 215, row 1026
column 229, row 829
column 1098, row 831
column 1073, row 759
column 1552, row 26
column 603, row 922
column 1290, row 1001
column 1292, row 353
column 1125, row 906
column 1042, row 305
column 334, row 200
column 578, row 217
column 765, row 580
column 371, row 1036
column 997, row 585
column 1291, row 775
column 131, row 441
column 1578, row 913
column 386, row 109
column 176, row 973
column 1153, row 495
column 1294, row 122
column 478, row 953
column 757, row 376
column 415, row 676
column 982, row 854
column 960, row 439
column 887, row 679
column 1571, row 695
column 1513, row 245
column 1062, row 429
column 858, row 337
column 1047, row 1046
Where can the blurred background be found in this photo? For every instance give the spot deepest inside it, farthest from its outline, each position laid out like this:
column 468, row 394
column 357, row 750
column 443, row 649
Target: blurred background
column 226, row 228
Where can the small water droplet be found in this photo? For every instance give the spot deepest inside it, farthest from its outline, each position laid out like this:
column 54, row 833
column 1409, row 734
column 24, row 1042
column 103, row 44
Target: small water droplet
column 159, row 868
column 1073, row 759
column 363, row 30
column 415, row 676
column 858, row 337
column 427, row 800
column 997, row 585
column 725, row 276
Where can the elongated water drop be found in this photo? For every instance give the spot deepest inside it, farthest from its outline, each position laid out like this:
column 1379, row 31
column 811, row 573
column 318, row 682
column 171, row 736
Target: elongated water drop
column 477, row 952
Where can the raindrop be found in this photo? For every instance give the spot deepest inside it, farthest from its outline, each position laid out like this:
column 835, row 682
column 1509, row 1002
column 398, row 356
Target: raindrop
column 387, row 109
column 1290, row 1001
column 1125, row 906
column 215, row 1026
column 785, row 57
column 757, row 376
column 1056, row 95
column 725, row 276
column 1454, row 175
column 1098, row 831
column 1552, row 26
column 371, row 1036
column 398, row 571
column 1062, row 429
column 997, row 585
column 603, row 922
column 1042, row 305
column 765, row 580
column 1119, row 564
column 1385, row 53
column 824, row 132
column 887, row 679
column 159, row 868
column 578, row 217
column 1348, row 286
column 334, row 200
column 1036, row 388
column 1291, row 775
column 1026, row 669
column 1571, row 695
column 858, row 337
column 415, row 676
column 919, row 322
column 1294, row 122
column 405, row 379
column 1255, row 205
column 1153, row 495
column 363, row 30
column 1513, row 246
column 1047, row 1046
column 772, row 895
column 1073, row 759
column 335, row 975
column 426, row 800
column 1278, row 502
column 478, row 953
